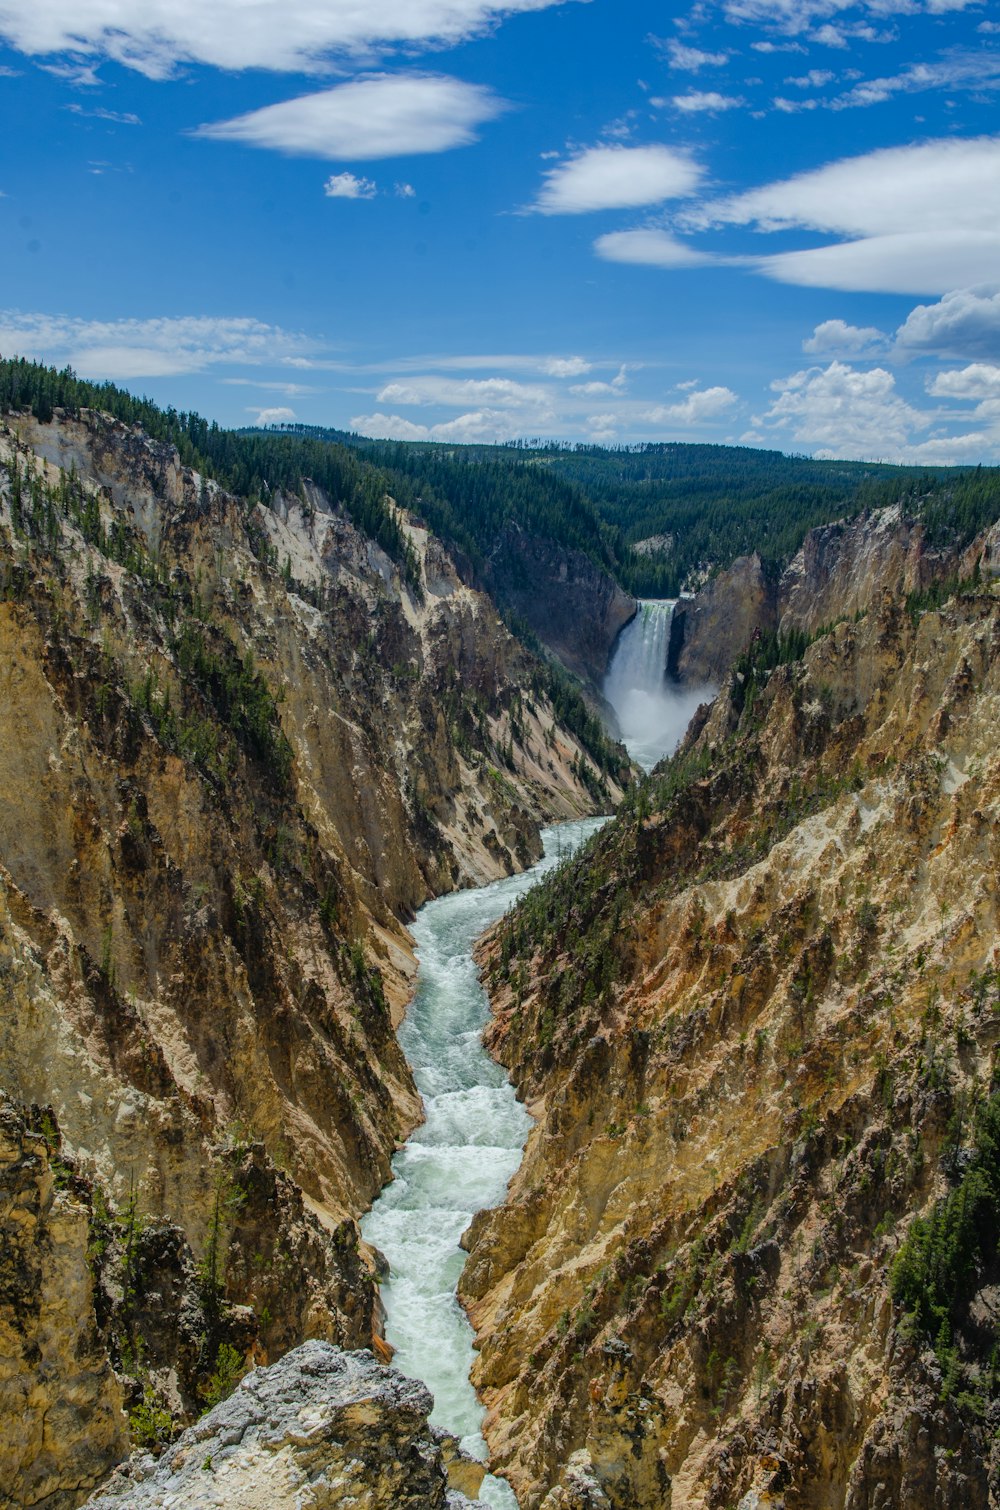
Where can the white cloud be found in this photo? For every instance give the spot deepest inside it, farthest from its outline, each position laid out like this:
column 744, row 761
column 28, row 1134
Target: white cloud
column 965, row 323
column 692, row 59
column 923, row 219
column 478, row 425
column 836, row 335
column 602, row 428
column 384, row 115
column 611, row 177
column 617, row 384
column 841, row 412
column 346, row 186
column 564, row 367
column 700, row 407
column 814, row 79
column 405, row 191
column 275, row 416
column 388, row 427
column 499, row 392
column 936, row 185
column 117, row 118
column 913, row 262
column 649, row 248
column 706, row 100
column 154, row 36
column 961, row 71
column 977, row 381
column 125, row 349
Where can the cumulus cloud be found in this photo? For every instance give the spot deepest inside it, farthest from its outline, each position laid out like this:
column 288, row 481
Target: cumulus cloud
column 814, row 79
column 276, row 416
column 499, row 392
column 346, row 186
column 977, row 381
column 836, row 335
column 841, row 412
column 708, row 101
column 965, row 323
column 482, row 425
column 613, row 177
column 124, row 349
column 700, row 407
column 649, row 248
column 383, row 115
column 617, row 384
column 564, row 367
column 602, row 428
column 154, row 36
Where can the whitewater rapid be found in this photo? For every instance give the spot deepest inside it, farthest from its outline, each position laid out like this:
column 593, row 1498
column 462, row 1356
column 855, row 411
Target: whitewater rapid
column 463, row 1155
column 652, row 712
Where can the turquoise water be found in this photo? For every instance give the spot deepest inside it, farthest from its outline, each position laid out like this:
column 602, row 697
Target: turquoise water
column 463, row 1155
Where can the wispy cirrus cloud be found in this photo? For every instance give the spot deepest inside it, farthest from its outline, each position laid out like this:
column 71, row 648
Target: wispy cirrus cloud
column 704, row 101
column 383, row 115
column 689, row 59
column 156, row 36
column 168, row 347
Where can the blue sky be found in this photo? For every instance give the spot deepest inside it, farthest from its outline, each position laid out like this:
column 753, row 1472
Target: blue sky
column 773, row 222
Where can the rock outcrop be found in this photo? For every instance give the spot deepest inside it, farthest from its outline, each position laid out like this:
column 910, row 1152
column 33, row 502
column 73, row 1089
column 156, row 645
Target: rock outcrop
column 755, row 1022
column 709, row 630
column 842, row 569
column 321, row 1428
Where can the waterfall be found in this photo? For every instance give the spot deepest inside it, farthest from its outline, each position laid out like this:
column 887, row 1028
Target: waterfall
column 652, row 712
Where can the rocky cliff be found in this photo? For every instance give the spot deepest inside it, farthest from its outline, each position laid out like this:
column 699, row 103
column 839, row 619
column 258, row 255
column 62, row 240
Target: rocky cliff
column 237, row 750
column 749, row 1257
column 574, row 608
column 842, row 569
column 321, row 1428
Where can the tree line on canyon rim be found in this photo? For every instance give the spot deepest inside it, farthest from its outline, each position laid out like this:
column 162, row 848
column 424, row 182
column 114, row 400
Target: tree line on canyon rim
column 704, row 504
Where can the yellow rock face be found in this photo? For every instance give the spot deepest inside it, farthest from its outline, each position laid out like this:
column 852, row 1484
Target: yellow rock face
column 686, row 1295
column 203, row 900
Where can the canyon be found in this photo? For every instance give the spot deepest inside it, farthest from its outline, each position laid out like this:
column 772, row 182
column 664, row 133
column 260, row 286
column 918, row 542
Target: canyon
column 238, row 750
column 754, row 1019
column 756, row 1024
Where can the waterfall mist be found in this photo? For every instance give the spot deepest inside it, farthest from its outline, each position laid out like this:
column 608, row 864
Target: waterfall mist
column 652, row 712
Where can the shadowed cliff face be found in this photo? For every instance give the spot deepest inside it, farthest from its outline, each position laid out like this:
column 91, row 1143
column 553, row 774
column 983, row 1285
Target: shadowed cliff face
column 236, row 753
column 575, row 609
column 754, row 1023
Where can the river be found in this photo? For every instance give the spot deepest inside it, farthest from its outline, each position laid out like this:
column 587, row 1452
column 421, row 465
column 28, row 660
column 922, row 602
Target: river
column 463, row 1155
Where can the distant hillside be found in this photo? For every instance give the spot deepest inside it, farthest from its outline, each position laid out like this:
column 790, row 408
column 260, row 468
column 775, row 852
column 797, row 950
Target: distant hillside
column 700, row 506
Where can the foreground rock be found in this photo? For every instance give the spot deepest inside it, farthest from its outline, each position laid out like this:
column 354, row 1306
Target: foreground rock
column 320, row 1428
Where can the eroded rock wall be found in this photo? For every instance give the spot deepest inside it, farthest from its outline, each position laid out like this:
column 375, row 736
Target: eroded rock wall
column 62, row 1428
column 573, row 607
column 754, row 1023
column 842, row 569
column 237, row 751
